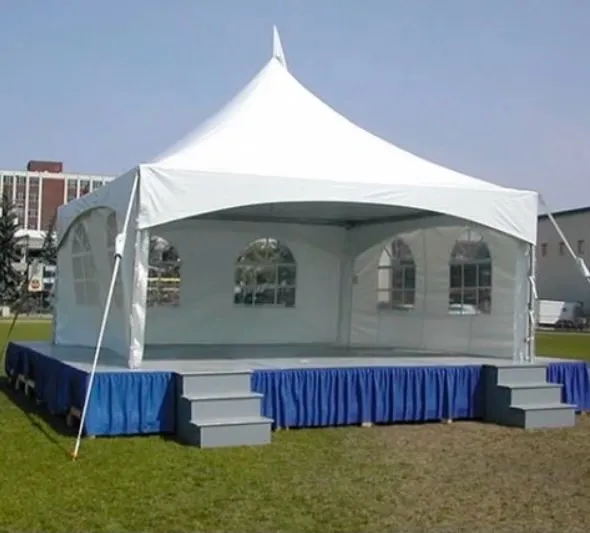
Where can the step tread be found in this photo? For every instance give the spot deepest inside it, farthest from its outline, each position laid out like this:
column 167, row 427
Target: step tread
column 216, row 373
column 519, row 365
column 542, row 406
column 539, row 385
column 245, row 420
column 222, row 396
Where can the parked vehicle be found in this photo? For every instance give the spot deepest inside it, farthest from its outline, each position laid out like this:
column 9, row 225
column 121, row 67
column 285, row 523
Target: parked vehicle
column 561, row 314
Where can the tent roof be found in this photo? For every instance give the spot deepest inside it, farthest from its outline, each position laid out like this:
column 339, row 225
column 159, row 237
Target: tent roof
column 276, row 127
column 278, row 151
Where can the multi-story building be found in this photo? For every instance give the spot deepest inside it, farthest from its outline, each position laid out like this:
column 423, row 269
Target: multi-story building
column 558, row 276
column 38, row 191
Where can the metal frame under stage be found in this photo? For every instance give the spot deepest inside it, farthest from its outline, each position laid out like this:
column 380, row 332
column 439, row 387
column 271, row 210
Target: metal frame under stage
column 204, row 358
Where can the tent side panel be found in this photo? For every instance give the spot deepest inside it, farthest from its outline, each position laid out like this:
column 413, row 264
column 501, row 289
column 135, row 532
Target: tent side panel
column 437, row 298
column 225, row 298
column 137, row 268
column 85, row 264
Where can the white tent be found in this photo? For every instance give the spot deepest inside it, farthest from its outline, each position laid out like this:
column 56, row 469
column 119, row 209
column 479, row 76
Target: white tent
column 293, row 225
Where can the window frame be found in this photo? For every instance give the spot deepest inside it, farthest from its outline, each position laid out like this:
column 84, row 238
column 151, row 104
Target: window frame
column 478, row 268
column 86, row 290
column 156, row 286
column 273, row 268
column 401, row 277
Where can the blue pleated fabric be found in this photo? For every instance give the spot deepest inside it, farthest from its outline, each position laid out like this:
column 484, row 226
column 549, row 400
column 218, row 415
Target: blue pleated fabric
column 130, row 403
column 121, row 403
column 575, row 379
column 339, row 396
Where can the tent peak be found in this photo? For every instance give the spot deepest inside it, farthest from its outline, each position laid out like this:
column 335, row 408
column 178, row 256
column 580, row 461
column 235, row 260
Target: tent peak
column 277, row 47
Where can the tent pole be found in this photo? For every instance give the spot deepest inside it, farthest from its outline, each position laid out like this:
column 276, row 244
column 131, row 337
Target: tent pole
column 532, row 306
column 119, row 250
column 583, row 269
column 579, row 261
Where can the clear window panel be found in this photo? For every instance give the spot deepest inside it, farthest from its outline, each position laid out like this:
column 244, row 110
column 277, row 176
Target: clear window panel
column 410, row 278
column 485, row 300
column 456, row 277
column 397, row 278
column 265, row 296
column 485, row 275
column 286, row 297
column 266, row 275
column 470, row 275
column 286, row 275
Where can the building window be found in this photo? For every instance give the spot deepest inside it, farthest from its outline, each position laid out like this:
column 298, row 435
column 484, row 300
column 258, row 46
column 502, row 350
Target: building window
column 396, row 277
column 84, row 270
column 112, row 232
column 543, row 249
column 71, row 190
column 581, row 247
column 7, row 187
column 164, row 274
column 265, row 275
column 562, row 248
column 470, row 276
column 96, row 184
column 84, row 187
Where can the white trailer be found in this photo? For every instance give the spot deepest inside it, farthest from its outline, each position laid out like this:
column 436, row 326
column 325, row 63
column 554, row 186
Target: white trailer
column 561, row 314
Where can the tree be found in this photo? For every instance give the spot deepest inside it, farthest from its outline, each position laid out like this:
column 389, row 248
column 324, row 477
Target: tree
column 49, row 248
column 10, row 277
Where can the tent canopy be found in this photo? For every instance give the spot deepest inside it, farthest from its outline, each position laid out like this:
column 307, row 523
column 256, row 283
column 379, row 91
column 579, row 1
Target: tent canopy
column 277, row 151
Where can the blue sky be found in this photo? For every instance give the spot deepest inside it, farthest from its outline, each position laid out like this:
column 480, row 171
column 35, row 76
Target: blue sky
column 498, row 89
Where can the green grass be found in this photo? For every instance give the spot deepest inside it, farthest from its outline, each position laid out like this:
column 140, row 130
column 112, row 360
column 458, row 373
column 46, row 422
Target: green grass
column 458, row 477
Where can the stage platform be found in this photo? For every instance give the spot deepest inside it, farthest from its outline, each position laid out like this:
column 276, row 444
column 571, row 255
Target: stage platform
column 298, row 386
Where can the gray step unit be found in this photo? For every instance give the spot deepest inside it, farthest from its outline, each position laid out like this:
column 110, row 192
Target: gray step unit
column 519, row 395
column 212, row 382
column 529, row 393
column 538, row 416
column 254, row 431
column 218, row 409
column 229, row 405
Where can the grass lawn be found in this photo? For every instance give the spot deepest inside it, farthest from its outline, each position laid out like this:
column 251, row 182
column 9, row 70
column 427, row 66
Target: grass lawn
column 458, row 477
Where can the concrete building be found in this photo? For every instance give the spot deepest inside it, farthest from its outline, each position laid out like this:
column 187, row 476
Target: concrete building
column 558, row 277
column 38, row 191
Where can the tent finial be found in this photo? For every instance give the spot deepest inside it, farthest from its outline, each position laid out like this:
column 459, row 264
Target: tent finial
column 277, row 47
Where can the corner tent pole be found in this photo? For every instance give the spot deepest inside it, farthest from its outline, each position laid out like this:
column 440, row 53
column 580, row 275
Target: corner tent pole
column 532, row 307
column 120, row 243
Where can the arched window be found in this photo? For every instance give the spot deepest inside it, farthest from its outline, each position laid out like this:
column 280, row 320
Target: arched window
column 470, row 280
column 396, row 277
column 164, row 274
column 112, row 232
column 83, row 268
column 266, row 274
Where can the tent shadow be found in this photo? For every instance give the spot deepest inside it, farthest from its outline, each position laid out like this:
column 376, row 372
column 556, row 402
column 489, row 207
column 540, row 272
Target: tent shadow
column 38, row 416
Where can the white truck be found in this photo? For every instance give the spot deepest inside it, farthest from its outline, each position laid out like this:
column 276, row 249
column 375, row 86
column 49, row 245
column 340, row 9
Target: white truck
column 561, row 314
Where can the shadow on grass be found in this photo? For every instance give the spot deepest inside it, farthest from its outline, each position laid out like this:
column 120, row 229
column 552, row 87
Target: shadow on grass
column 36, row 413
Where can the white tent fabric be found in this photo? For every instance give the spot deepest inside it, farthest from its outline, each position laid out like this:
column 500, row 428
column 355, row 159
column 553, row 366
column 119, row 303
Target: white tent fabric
column 276, row 154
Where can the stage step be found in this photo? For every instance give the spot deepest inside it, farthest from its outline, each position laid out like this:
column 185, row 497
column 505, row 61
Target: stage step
column 218, row 433
column 519, row 395
column 230, row 405
column 529, row 393
column 529, row 373
column 210, row 383
column 537, row 416
column 219, row 409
